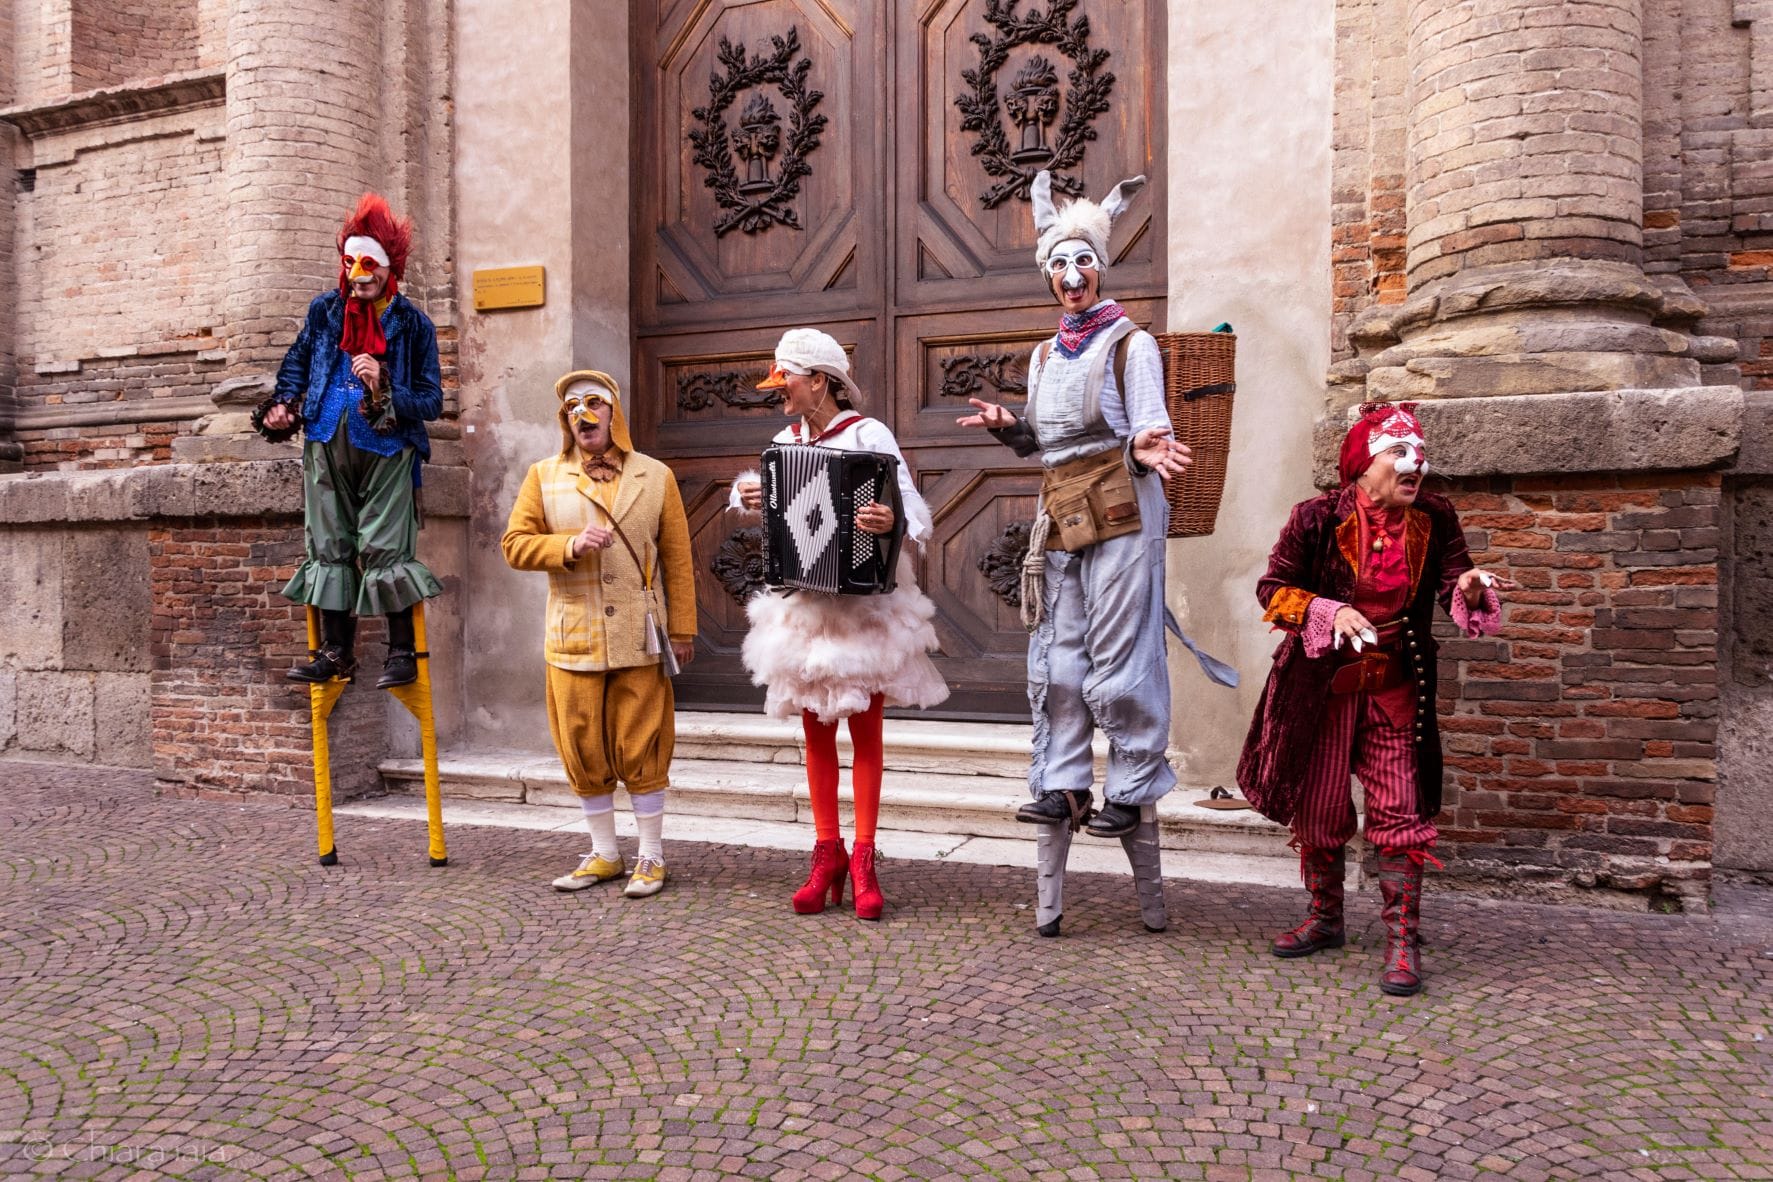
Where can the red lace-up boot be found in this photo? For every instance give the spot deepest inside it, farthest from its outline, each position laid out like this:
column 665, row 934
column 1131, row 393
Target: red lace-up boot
column 830, row 864
column 869, row 901
column 1400, row 889
column 1322, row 871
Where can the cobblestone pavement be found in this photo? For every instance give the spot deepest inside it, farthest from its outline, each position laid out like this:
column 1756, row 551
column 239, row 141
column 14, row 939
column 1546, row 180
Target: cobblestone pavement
column 184, row 992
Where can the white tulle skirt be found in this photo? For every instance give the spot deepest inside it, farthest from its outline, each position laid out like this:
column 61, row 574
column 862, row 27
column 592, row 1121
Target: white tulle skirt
column 831, row 653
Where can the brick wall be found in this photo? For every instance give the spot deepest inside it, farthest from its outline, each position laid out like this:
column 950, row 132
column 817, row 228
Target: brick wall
column 1709, row 175
column 128, row 253
column 1581, row 741
column 1525, row 140
column 117, row 41
column 1367, row 178
column 224, row 719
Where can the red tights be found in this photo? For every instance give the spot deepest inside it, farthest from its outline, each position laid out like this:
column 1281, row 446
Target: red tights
column 821, row 770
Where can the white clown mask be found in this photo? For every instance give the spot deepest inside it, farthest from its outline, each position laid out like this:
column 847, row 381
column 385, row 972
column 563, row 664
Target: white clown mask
column 361, row 256
column 587, row 402
column 1401, row 428
column 1068, row 260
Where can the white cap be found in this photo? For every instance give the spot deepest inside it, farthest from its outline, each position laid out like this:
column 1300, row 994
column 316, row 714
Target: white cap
column 807, row 350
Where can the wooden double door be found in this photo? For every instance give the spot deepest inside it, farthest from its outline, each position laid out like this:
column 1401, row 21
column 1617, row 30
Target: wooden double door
column 861, row 166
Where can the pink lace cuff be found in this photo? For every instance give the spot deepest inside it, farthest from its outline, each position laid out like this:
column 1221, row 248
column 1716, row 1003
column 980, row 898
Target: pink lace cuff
column 1320, row 630
column 1483, row 620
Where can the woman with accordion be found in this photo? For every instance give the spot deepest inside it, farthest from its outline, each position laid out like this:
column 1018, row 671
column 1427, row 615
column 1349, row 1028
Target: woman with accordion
column 829, row 656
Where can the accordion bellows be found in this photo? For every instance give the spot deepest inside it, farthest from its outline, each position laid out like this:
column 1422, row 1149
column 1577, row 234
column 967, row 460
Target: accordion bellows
column 831, row 653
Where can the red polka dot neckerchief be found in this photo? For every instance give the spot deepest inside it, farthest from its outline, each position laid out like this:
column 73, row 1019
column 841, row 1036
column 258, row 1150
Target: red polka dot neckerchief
column 831, row 428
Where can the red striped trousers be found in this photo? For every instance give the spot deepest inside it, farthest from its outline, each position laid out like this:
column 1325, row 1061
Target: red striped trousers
column 1358, row 738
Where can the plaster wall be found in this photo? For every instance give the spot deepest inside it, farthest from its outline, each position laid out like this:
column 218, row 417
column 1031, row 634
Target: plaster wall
column 1249, row 241
column 541, row 178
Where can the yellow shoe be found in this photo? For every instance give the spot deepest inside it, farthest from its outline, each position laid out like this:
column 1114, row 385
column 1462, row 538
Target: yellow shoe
column 648, row 879
column 591, row 871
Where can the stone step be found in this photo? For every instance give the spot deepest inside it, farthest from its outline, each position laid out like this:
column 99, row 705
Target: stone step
column 912, row 744
column 1087, row 857
column 930, row 802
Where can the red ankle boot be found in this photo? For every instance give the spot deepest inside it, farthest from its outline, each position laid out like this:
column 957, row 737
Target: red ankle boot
column 1400, row 889
column 1322, row 871
column 830, row 864
column 869, row 901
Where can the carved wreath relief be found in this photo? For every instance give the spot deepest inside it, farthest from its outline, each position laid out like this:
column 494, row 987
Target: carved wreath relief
column 963, row 376
column 739, row 563
column 735, row 388
column 1033, row 101
column 1001, row 564
column 757, row 201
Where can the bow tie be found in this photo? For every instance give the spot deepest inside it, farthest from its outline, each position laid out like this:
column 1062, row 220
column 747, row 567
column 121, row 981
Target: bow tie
column 600, row 469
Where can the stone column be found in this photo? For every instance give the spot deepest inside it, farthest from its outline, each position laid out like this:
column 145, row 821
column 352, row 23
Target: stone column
column 304, row 111
column 1525, row 211
column 304, row 115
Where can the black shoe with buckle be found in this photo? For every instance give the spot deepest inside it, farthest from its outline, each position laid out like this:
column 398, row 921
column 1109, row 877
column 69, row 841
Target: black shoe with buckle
column 332, row 661
column 1057, row 808
column 1114, row 820
column 401, row 668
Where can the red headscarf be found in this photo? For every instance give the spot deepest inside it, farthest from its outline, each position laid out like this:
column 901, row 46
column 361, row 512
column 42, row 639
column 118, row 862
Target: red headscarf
column 372, row 219
column 1377, row 419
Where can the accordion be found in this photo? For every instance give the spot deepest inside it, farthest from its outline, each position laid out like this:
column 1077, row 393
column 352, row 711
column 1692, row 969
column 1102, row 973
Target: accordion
column 810, row 539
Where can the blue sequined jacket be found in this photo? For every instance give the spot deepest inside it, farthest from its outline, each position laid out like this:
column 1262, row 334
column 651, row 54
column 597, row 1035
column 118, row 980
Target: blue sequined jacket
column 415, row 379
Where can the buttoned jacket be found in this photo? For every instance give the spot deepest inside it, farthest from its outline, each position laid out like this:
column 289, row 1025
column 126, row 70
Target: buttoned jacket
column 1318, row 554
column 598, row 603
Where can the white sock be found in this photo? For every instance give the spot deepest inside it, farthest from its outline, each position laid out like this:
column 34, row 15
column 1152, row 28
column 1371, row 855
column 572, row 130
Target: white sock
column 649, row 818
column 600, row 819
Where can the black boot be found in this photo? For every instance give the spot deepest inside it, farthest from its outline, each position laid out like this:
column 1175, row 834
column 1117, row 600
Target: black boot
column 402, row 665
column 338, row 632
column 1114, row 820
column 1057, row 808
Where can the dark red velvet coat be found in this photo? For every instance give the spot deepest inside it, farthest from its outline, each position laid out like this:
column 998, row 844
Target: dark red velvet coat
column 1317, row 555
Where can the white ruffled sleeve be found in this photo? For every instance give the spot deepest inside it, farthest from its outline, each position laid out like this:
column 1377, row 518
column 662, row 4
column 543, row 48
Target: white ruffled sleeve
column 874, row 435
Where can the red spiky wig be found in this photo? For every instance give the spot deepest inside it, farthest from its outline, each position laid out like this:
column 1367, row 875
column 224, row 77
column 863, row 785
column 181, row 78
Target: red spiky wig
column 373, row 219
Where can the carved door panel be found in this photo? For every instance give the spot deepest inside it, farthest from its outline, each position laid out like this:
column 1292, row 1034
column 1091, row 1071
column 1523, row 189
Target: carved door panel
column 758, row 162
column 1004, row 89
column 862, row 167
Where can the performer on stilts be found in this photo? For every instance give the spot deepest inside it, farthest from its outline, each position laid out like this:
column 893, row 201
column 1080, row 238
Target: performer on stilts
column 361, row 381
column 1354, row 580
column 827, row 658
column 606, row 523
column 1096, row 656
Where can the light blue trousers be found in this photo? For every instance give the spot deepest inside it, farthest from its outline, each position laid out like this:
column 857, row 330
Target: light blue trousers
column 1098, row 660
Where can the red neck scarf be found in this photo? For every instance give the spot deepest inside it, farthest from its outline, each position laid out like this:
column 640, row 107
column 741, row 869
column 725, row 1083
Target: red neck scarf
column 1076, row 329
column 363, row 323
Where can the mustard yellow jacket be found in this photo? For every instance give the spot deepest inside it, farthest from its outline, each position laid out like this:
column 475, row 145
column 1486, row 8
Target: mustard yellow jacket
column 597, row 604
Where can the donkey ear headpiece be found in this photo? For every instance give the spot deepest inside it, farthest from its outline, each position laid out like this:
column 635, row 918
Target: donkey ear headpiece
column 1081, row 219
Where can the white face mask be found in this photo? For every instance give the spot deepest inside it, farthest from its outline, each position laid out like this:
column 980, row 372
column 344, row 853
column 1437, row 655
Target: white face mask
column 1415, row 457
column 1070, row 259
column 362, row 256
column 586, row 402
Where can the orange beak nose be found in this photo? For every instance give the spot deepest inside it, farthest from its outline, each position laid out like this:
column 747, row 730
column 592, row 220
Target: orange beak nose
column 777, row 380
column 361, row 268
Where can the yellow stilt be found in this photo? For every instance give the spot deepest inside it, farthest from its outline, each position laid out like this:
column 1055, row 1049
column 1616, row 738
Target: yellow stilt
column 417, row 699
column 322, row 697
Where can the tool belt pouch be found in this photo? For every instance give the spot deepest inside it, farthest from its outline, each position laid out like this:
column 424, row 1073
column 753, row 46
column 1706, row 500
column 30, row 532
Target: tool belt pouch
column 1368, row 674
column 1089, row 500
